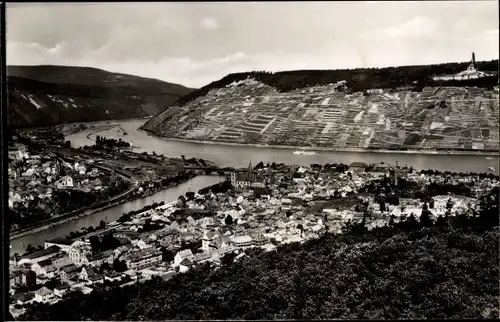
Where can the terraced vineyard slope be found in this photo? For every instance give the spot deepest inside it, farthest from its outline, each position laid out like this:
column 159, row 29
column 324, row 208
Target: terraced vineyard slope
column 48, row 95
column 249, row 111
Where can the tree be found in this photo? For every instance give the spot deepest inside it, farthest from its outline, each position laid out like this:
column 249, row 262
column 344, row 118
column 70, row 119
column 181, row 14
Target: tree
column 181, row 202
column 29, row 248
column 229, row 220
column 190, row 195
column 109, row 241
column 441, row 221
column 95, row 243
column 167, row 255
column 119, row 266
column 425, row 218
column 228, row 259
column 102, row 224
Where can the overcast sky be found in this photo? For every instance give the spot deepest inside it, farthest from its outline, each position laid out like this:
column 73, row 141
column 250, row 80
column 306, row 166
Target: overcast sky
column 196, row 43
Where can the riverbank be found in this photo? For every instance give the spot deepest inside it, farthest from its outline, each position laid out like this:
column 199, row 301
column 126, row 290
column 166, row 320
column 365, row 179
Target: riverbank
column 52, row 222
column 39, row 236
column 324, row 149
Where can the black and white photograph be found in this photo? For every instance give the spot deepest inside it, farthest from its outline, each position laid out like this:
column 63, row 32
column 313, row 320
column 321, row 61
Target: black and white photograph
column 295, row 160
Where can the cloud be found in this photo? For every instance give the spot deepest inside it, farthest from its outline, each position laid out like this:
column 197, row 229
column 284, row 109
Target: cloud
column 419, row 26
column 197, row 43
column 209, row 23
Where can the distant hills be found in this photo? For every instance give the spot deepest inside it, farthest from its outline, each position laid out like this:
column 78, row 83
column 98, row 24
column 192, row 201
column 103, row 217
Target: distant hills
column 396, row 108
column 49, row 95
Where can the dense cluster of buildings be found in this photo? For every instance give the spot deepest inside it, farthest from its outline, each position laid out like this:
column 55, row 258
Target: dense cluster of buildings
column 34, row 178
column 290, row 204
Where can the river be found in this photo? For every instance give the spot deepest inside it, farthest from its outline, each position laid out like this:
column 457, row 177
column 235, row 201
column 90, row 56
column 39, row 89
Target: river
column 38, row 238
column 233, row 156
column 240, row 156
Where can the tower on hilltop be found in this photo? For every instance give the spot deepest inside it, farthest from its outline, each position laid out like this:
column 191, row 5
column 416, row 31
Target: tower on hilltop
column 472, row 65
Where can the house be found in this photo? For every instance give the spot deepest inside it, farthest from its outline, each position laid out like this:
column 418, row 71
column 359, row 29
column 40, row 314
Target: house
column 42, row 279
column 185, row 265
column 182, row 255
column 39, row 255
column 222, row 243
column 44, row 295
column 61, row 290
column 43, row 267
column 68, row 272
column 206, row 240
column 15, row 279
column 79, row 251
column 260, row 240
column 65, row 182
column 24, row 298
column 121, row 251
column 89, row 275
column 97, row 259
column 201, row 258
column 138, row 259
column 242, row 241
column 112, row 276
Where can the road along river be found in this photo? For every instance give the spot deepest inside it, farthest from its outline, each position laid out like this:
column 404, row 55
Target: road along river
column 18, row 245
column 240, row 156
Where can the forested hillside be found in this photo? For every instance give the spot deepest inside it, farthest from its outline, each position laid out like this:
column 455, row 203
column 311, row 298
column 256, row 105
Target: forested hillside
column 358, row 79
column 48, row 95
column 409, row 269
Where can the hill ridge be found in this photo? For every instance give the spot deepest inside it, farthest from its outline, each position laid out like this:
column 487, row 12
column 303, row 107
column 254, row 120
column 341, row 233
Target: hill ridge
column 46, row 95
column 391, row 108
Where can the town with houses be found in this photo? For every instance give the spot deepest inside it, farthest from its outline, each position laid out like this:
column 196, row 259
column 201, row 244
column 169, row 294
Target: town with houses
column 36, row 180
column 264, row 206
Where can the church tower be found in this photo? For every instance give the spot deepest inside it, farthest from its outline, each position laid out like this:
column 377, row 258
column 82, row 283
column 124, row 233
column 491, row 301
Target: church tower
column 250, row 172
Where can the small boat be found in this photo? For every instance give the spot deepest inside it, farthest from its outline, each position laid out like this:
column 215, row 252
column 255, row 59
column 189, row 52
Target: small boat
column 489, row 158
column 491, row 169
column 302, row 152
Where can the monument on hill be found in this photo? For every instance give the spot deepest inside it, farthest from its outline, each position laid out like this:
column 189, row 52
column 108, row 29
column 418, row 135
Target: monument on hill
column 472, row 65
column 470, row 73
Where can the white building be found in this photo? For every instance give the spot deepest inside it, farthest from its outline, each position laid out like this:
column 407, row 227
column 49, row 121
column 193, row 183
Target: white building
column 182, row 255
column 79, row 251
column 244, row 241
column 44, row 295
